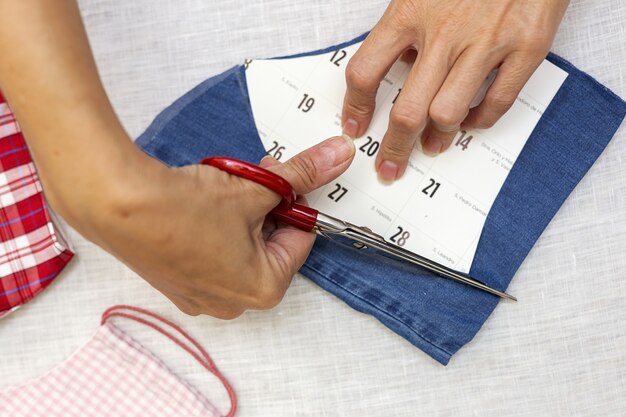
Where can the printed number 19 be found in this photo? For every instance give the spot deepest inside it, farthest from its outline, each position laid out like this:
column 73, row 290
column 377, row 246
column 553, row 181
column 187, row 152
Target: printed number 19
column 306, row 104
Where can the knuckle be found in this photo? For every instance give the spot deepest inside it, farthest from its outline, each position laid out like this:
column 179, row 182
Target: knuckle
column 360, row 109
column 446, row 115
column 397, row 149
column 500, row 100
column 493, row 40
column 358, row 77
column 406, row 118
column 445, row 32
column 536, row 41
column 484, row 122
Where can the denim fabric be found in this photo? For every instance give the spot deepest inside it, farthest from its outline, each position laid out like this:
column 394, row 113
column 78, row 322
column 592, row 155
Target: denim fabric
column 436, row 315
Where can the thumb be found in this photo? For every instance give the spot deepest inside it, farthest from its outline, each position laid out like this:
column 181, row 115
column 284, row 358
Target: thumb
column 318, row 165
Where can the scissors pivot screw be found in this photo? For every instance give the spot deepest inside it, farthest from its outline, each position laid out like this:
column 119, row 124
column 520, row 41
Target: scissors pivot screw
column 359, row 245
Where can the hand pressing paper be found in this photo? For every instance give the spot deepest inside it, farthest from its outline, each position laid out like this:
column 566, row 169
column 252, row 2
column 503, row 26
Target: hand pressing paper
column 438, row 208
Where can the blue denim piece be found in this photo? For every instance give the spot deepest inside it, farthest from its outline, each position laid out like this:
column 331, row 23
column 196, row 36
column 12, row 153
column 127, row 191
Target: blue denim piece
column 436, row 315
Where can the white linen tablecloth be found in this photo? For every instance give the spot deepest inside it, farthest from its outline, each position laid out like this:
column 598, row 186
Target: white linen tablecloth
column 561, row 350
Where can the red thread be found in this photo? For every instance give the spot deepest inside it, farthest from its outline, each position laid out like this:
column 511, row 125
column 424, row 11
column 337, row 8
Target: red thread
column 203, row 358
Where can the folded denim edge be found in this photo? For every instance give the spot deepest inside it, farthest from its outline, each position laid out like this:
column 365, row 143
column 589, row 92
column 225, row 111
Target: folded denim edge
column 567, row 66
column 173, row 109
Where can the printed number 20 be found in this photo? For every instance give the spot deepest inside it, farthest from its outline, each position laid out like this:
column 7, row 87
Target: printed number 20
column 370, row 147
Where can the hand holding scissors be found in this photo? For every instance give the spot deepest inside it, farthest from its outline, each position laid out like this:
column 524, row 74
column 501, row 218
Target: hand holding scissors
column 309, row 219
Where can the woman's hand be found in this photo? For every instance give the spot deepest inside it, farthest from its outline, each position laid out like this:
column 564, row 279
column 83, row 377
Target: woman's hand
column 201, row 237
column 458, row 43
column 196, row 233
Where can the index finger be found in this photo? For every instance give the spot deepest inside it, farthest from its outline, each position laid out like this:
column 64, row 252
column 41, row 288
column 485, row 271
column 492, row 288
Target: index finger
column 365, row 71
column 409, row 114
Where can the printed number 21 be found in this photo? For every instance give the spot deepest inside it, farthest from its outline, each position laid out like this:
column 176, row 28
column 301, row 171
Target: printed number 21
column 431, row 188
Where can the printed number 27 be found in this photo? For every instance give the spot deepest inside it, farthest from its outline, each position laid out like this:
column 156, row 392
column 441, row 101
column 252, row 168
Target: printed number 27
column 337, row 193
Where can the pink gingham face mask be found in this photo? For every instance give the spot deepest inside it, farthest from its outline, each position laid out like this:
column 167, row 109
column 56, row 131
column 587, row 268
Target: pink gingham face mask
column 114, row 376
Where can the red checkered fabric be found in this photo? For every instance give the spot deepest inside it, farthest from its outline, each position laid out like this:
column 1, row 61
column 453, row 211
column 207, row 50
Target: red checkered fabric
column 32, row 249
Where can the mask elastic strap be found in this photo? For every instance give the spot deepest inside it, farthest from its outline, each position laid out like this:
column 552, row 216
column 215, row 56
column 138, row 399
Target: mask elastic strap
column 199, row 353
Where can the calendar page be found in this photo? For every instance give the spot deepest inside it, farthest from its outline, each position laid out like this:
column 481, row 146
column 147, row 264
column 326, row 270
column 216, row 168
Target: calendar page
column 438, row 208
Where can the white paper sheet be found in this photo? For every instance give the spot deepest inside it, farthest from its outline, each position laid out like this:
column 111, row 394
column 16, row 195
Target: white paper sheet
column 438, row 208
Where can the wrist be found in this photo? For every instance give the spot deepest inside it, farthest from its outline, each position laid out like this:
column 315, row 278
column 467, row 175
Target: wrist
column 93, row 192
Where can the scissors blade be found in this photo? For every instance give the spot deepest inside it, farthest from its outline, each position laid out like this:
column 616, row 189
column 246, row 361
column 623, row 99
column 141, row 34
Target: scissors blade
column 330, row 225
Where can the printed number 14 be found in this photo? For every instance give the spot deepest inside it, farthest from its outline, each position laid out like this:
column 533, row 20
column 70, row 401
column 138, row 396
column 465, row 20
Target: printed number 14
column 464, row 140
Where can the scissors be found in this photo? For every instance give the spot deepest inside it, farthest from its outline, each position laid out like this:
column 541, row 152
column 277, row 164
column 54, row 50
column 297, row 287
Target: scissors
column 309, row 219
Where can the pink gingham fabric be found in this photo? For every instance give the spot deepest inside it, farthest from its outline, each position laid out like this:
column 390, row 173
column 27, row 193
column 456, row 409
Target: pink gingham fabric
column 114, row 376
column 32, row 249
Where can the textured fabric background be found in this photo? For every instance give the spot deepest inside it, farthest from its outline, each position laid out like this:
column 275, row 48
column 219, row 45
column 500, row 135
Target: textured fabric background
column 559, row 351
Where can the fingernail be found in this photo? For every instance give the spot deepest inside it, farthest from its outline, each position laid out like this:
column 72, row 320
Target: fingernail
column 338, row 149
column 432, row 146
column 388, row 171
column 351, row 128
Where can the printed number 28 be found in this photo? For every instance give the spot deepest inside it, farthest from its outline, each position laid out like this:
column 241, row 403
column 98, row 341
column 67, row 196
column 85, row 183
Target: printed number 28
column 400, row 237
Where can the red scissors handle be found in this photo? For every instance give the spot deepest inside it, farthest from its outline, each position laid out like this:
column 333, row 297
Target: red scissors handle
column 287, row 211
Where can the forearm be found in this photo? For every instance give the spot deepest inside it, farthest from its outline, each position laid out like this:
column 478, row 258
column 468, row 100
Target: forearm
column 48, row 75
